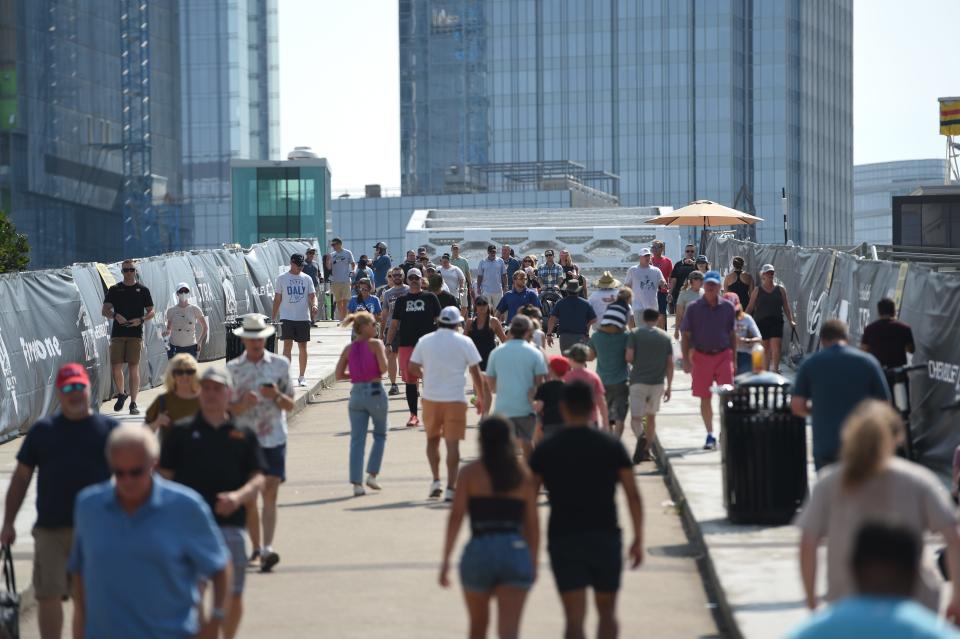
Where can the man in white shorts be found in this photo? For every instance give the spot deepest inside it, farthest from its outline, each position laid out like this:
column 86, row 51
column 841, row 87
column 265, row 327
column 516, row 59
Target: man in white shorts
column 645, row 280
column 650, row 354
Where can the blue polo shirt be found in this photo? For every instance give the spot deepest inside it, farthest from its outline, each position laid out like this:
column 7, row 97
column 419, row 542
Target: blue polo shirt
column 512, row 301
column 573, row 313
column 835, row 380
column 140, row 571
column 877, row 618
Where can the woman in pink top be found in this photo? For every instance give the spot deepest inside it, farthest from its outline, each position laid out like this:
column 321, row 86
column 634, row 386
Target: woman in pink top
column 363, row 362
column 578, row 354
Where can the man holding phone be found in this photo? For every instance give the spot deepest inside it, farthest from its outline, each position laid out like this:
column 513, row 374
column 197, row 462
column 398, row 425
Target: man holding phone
column 129, row 305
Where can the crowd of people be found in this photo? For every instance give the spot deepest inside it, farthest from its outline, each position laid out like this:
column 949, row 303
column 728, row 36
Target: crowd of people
column 187, row 490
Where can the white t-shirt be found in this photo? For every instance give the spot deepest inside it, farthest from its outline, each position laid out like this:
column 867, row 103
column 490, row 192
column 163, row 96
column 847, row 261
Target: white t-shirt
column 492, row 272
column 183, row 324
column 645, row 282
column 445, row 356
column 601, row 298
column 295, row 291
column 453, row 278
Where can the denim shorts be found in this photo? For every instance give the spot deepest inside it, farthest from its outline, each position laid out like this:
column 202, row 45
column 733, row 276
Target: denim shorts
column 498, row 559
column 236, row 544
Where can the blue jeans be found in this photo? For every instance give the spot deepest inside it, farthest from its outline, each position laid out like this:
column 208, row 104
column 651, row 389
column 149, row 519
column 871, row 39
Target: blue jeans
column 744, row 362
column 368, row 401
column 173, row 350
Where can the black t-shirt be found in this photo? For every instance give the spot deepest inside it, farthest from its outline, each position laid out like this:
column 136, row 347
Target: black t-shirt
column 129, row 301
column 887, row 340
column 70, row 456
column 580, row 467
column 212, row 460
column 549, row 393
column 680, row 272
column 417, row 314
column 447, row 299
column 406, row 265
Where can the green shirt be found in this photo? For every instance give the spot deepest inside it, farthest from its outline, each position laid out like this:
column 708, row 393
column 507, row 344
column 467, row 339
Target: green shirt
column 463, row 265
column 651, row 349
column 610, row 349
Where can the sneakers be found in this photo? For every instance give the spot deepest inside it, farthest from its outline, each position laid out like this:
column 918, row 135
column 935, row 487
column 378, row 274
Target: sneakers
column 301, row 381
column 254, row 558
column 268, row 560
column 394, row 390
column 133, row 409
column 711, row 443
column 358, row 490
column 372, row 483
column 436, row 489
column 413, row 422
column 448, row 494
column 121, row 399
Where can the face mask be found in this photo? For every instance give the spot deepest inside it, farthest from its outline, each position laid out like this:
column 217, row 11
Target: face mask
column 183, row 297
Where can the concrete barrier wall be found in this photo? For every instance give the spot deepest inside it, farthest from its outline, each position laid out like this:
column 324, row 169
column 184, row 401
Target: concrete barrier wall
column 48, row 318
column 823, row 284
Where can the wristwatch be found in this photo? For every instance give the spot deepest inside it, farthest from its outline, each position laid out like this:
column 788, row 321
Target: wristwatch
column 218, row 613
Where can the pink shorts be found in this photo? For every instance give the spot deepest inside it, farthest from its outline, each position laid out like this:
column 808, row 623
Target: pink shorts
column 708, row 369
column 403, row 359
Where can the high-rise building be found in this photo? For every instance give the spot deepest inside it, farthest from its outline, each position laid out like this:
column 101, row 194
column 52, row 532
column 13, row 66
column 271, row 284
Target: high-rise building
column 875, row 185
column 230, row 99
column 64, row 153
column 736, row 101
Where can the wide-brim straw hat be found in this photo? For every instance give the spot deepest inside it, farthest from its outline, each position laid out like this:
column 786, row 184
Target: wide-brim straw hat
column 254, row 326
column 607, row 280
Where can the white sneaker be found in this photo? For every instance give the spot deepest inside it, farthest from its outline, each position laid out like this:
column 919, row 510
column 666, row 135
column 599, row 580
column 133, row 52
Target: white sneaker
column 358, row 490
column 302, row 381
column 372, row 482
column 448, row 494
column 436, row 489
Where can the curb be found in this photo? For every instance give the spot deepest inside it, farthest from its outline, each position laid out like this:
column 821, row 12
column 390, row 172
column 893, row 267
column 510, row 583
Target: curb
column 692, row 526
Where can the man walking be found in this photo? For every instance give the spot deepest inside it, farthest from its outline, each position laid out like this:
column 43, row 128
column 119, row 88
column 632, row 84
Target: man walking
column 442, row 359
column 581, row 468
column 517, row 297
column 409, row 263
column 314, row 271
column 341, row 275
column 708, row 342
column 225, row 465
column 665, row 264
column 67, row 451
column 575, row 316
column 681, row 270
column 435, row 285
column 142, row 545
column 295, row 302
column 414, row 315
column 464, row 267
column 650, row 355
column 387, row 301
column 514, row 371
column 512, row 263
column 129, row 305
column 262, row 398
column 645, row 280
column 492, row 277
column 608, row 345
column 888, row 339
column 182, row 321
column 381, row 265
column 606, row 293
column 550, row 273
column 829, row 385
column 455, row 280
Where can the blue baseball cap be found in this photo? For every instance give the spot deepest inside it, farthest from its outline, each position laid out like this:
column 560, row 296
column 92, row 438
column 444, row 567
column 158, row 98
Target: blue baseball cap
column 712, row 276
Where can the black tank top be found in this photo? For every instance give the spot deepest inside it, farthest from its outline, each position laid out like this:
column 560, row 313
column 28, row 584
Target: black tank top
column 492, row 515
column 484, row 339
column 768, row 304
column 741, row 289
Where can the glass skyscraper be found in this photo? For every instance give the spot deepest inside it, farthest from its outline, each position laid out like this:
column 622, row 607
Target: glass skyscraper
column 735, row 101
column 230, row 103
column 875, row 185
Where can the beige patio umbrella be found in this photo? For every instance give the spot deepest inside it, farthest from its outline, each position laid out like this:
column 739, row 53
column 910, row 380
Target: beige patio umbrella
column 704, row 213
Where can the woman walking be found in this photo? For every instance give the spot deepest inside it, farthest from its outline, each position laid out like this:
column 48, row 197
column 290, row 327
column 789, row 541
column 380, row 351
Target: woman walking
column 484, row 329
column 500, row 559
column 739, row 282
column 768, row 304
column 179, row 399
column 363, row 362
column 871, row 484
column 747, row 335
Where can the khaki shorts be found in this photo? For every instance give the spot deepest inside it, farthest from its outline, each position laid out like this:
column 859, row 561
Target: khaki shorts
column 445, row 419
column 51, row 552
column 340, row 291
column 645, row 399
column 125, row 350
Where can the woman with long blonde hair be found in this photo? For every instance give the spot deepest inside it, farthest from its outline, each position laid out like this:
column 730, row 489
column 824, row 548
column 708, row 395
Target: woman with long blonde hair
column 871, row 484
column 179, row 399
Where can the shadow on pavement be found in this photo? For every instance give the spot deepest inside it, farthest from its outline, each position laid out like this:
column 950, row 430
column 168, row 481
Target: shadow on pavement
column 316, row 502
column 435, row 505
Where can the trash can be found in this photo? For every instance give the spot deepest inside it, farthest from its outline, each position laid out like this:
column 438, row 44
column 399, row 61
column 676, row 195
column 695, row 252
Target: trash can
column 234, row 345
column 763, row 451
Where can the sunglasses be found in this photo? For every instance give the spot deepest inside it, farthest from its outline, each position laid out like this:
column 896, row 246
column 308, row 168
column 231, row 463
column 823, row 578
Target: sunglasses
column 133, row 473
column 690, row 252
column 72, row 388
column 183, row 290
column 129, row 270
column 180, row 372
column 413, row 277
column 397, row 275
column 364, row 290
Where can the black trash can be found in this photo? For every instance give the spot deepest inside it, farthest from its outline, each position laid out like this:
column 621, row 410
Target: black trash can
column 234, row 344
column 764, row 451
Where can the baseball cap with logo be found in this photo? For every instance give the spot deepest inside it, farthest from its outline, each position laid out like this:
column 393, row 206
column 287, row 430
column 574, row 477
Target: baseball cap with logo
column 450, row 316
column 644, row 251
column 712, row 276
column 72, row 373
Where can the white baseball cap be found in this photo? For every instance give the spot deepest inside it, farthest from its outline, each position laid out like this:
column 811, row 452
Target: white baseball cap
column 645, row 251
column 766, row 268
column 181, row 286
column 414, row 271
column 450, row 316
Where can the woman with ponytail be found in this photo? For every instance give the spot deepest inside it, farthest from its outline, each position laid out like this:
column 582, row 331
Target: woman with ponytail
column 501, row 557
column 363, row 362
column 871, row 484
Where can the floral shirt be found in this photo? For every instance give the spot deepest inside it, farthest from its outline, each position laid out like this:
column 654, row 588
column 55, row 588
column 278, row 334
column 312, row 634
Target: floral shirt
column 266, row 419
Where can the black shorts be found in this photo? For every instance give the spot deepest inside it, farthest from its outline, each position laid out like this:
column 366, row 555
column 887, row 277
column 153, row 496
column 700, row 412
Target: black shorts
column 276, row 458
column 662, row 302
column 583, row 559
column 770, row 327
column 298, row 331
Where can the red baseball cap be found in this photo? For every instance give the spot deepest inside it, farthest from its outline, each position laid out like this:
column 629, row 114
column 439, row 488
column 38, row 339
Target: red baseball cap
column 72, row 373
column 733, row 298
column 559, row 364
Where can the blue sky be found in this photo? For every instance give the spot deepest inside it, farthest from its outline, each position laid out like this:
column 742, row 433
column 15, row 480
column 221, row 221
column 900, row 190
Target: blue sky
column 339, row 82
